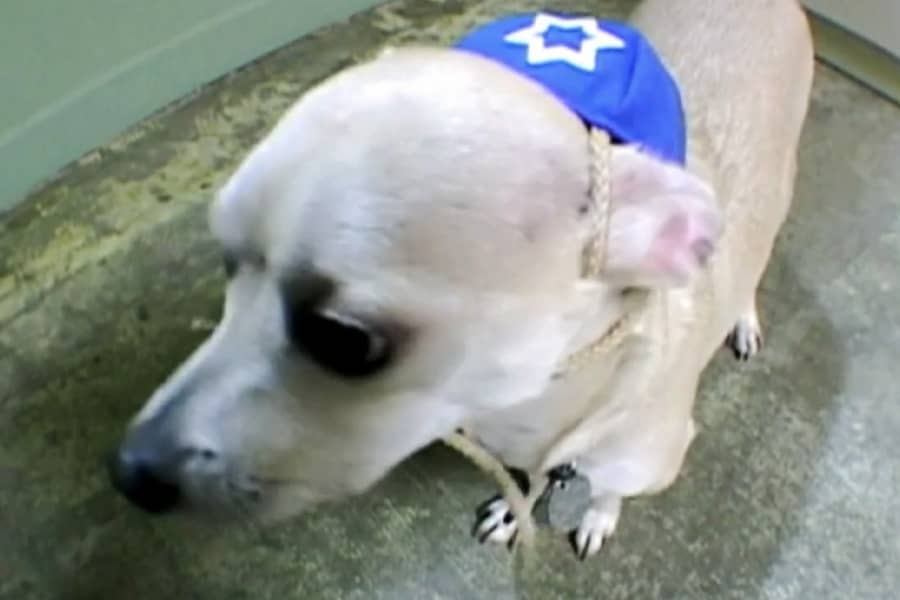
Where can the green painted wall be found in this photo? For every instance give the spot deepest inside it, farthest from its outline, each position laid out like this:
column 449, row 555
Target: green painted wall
column 74, row 73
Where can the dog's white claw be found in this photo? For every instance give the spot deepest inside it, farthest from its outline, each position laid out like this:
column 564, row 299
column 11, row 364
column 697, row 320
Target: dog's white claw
column 597, row 524
column 495, row 522
column 745, row 340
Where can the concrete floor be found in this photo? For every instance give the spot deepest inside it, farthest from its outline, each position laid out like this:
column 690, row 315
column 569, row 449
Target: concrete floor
column 790, row 490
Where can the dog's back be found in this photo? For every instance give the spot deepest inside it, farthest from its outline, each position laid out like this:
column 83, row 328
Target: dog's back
column 745, row 74
column 745, row 70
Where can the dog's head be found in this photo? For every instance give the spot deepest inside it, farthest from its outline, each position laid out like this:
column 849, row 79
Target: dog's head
column 403, row 254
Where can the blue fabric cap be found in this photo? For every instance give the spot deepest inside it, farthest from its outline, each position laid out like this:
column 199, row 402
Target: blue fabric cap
column 604, row 71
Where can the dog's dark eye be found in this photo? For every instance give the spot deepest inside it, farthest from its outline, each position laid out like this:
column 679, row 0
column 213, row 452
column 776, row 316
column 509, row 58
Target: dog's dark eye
column 341, row 344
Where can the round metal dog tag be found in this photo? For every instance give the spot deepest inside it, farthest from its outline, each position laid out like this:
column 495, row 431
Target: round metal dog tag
column 568, row 502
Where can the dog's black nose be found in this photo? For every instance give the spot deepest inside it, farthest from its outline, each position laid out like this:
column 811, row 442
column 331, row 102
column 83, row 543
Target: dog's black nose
column 138, row 479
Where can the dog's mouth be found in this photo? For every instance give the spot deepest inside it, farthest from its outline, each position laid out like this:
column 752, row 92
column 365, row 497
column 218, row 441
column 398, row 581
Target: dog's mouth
column 271, row 500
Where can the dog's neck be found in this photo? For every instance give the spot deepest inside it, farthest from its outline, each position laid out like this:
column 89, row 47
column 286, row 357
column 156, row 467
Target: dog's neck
column 603, row 330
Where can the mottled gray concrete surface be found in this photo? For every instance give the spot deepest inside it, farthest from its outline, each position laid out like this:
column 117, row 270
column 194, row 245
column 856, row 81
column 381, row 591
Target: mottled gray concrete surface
column 789, row 492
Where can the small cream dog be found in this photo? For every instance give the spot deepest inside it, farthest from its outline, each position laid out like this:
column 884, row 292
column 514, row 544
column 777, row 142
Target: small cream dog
column 405, row 254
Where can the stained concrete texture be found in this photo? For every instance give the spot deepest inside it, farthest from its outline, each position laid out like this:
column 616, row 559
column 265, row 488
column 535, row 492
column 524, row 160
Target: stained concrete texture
column 791, row 490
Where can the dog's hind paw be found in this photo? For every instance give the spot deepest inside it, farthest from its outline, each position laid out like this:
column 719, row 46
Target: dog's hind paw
column 746, row 339
column 597, row 524
column 495, row 522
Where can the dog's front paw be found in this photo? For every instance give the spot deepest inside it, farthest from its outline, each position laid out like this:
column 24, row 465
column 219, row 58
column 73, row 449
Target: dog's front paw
column 746, row 339
column 495, row 522
column 597, row 524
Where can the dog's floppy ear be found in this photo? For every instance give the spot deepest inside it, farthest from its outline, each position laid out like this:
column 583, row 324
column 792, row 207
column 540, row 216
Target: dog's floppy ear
column 664, row 222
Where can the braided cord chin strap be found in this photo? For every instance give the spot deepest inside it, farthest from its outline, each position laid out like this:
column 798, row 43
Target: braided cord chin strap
column 594, row 257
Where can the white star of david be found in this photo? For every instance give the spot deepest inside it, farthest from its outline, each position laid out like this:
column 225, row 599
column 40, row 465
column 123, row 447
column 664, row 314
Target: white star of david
column 585, row 58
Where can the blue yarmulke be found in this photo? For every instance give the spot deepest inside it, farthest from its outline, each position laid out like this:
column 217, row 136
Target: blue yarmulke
column 604, row 71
